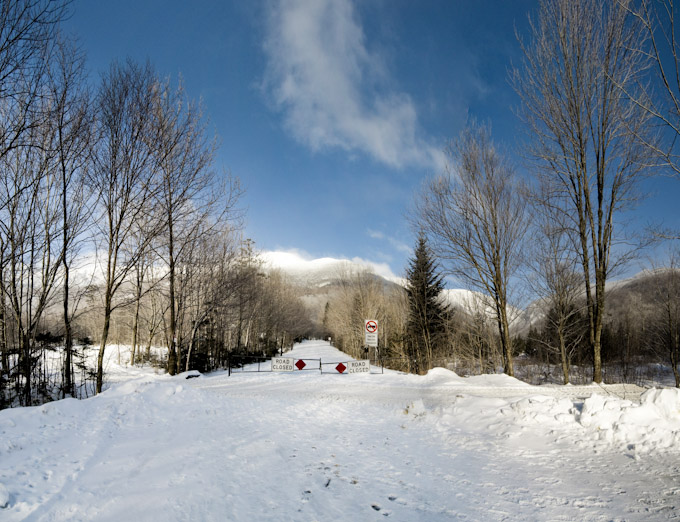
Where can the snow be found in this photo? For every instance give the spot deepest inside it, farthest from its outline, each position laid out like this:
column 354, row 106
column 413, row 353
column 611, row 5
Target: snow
column 304, row 268
column 311, row 446
column 4, row 496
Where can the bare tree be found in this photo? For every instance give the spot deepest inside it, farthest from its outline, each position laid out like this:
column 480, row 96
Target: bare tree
column 476, row 219
column 557, row 282
column 143, row 284
column 358, row 295
column 189, row 196
column 660, row 97
column 27, row 29
column 585, row 131
column 30, row 225
column 122, row 176
column 151, row 314
column 208, row 264
column 71, row 124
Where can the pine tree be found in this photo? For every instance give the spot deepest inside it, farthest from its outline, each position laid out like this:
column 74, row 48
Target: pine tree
column 427, row 313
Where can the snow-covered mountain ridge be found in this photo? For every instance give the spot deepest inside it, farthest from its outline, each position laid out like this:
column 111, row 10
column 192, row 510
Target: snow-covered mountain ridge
column 317, row 273
column 312, row 273
column 306, row 271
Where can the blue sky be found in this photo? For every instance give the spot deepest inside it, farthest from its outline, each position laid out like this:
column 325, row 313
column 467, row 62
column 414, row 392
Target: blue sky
column 331, row 112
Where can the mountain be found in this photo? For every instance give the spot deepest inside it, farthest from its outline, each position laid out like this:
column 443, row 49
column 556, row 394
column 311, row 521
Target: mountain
column 319, row 277
column 636, row 294
column 312, row 273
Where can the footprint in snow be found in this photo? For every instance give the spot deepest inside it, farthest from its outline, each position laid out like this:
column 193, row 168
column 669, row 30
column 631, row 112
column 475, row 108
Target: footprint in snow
column 377, row 507
column 4, row 496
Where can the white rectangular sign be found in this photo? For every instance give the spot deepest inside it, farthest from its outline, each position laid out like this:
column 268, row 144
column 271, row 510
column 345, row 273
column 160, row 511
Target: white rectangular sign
column 359, row 366
column 371, row 332
column 283, row 364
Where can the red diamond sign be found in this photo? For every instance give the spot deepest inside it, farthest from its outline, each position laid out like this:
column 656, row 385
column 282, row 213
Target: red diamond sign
column 341, row 368
column 300, row 364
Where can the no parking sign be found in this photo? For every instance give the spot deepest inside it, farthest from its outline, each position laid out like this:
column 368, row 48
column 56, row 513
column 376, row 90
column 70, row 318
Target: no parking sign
column 371, row 332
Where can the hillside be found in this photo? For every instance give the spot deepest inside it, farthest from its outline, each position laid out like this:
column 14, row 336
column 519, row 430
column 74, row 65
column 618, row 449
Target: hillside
column 637, row 293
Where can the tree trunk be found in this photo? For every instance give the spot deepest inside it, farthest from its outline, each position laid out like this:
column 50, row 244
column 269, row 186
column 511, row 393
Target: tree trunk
column 102, row 343
column 25, row 364
column 192, row 340
column 506, row 342
column 148, row 344
column 172, row 348
column 135, row 327
column 563, row 355
column 675, row 353
column 68, row 333
column 4, row 358
column 597, row 344
column 68, row 338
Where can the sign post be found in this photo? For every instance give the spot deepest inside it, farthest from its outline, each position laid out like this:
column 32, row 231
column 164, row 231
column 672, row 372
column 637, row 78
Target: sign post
column 371, row 333
column 363, row 366
column 282, row 364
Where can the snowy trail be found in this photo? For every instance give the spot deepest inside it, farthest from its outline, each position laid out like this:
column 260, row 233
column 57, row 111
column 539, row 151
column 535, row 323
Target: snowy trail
column 306, row 446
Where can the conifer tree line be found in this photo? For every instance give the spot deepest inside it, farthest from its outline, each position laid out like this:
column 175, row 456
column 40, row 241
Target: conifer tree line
column 116, row 226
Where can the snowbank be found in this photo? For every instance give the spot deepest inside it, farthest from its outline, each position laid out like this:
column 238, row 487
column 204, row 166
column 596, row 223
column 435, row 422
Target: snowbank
column 651, row 426
column 306, row 446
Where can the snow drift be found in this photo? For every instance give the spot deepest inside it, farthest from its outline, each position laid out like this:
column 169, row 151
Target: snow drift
column 305, row 446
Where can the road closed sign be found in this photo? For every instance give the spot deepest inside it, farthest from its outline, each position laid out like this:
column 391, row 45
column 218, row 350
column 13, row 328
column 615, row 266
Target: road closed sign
column 283, row 364
column 363, row 366
column 371, row 333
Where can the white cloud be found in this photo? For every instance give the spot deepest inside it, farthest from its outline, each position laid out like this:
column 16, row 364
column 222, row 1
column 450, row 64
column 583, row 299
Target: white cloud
column 297, row 261
column 324, row 79
column 381, row 269
column 398, row 245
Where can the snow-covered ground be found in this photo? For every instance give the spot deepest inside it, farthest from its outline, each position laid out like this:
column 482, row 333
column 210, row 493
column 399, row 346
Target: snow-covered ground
column 306, row 446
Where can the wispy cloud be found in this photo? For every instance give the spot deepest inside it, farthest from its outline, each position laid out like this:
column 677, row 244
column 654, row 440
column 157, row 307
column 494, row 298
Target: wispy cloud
column 398, row 245
column 329, row 86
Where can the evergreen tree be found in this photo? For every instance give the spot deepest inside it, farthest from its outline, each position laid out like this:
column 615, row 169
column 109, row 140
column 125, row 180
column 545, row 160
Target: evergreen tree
column 427, row 313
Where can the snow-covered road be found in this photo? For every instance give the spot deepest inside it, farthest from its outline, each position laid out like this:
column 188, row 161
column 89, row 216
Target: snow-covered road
column 305, row 446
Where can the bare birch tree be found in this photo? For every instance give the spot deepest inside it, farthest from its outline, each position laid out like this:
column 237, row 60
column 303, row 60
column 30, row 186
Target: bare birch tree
column 579, row 62
column 475, row 217
column 190, row 198
column 122, row 176
column 138, row 246
column 27, row 30
column 71, row 124
column 30, row 223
